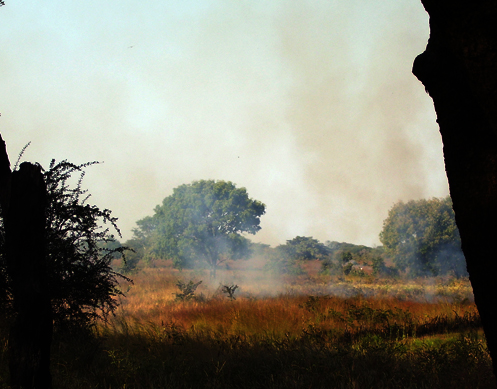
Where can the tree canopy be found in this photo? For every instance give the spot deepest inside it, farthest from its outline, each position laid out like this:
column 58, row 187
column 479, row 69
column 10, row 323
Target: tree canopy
column 305, row 248
column 422, row 237
column 202, row 221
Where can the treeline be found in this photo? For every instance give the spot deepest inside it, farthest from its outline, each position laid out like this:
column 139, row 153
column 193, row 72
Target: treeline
column 202, row 224
column 336, row 258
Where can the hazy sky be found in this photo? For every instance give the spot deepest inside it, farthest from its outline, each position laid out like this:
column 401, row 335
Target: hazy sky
column 310, row 105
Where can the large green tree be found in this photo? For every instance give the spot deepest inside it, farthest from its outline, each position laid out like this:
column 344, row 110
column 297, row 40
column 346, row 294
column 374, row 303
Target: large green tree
column 202, row 221
column 422, row 237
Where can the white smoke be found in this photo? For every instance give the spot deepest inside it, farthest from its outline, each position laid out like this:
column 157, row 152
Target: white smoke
column 309, row 105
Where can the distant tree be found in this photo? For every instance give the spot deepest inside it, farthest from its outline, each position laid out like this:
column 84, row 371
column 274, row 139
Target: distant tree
column 112, row 245
column 305, row 248
column 280, row 261
column 422, row 236
column 287, row 258
column 141, row 245
column 202, row 221
column 378, row 266
column 346, row 256
column 137, row 252
column 359, row 253
column 146, row 229
column 380, row 269
column 259, row 249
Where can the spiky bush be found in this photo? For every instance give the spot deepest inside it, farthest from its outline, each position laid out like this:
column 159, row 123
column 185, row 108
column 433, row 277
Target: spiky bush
column 82, row 284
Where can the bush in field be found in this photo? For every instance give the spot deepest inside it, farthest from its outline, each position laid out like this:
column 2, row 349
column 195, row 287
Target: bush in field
column 229, row 290
column 187, row 290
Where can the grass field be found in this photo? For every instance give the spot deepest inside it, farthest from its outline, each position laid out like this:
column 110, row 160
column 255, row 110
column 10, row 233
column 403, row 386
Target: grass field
column 310, row 331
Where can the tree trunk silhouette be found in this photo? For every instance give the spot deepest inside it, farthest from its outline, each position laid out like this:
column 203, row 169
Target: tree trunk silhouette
column 23, row 197
column 459, row 71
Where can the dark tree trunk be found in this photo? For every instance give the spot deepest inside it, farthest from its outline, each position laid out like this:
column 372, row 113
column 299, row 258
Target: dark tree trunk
column 459, row 71
column 23, row 212
column 5, row 178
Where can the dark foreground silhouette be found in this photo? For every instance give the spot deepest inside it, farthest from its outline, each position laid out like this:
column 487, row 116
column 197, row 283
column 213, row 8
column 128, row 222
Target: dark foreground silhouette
column 459, row 71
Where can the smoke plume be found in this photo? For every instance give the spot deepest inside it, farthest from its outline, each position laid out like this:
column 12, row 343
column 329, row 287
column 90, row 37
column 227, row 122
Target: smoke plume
column 310, row 105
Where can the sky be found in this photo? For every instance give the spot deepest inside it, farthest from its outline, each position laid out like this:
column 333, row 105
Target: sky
column 309, row 105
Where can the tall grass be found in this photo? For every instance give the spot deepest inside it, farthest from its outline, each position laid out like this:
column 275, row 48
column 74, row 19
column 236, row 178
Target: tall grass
column 298, row 336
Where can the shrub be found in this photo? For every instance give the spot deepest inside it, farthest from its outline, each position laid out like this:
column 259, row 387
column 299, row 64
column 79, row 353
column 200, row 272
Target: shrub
column 187, row 290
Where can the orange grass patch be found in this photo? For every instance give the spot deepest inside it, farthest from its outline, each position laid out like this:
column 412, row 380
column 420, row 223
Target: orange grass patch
column 152, row 300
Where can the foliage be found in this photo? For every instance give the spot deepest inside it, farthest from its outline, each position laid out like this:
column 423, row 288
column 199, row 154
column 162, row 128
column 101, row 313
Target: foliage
column 187, row 290
column 259, row 250
column 422, row 237
column 347, row 268
column 288, row 258
column 280, row 262
column 380, row 269
column 112, row 245
column 230, row 290
column 202, row 221
column 5, row 290
column 305, row 248
column 378, row 265
column 82, row 284
column 140, row 245
column 134, row 256
column 346, row 257
column 336, row 248
column 343, row 252
column 331, row 267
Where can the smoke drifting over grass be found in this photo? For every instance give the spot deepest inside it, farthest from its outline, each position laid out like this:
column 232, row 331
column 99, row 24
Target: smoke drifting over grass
column 309, row 105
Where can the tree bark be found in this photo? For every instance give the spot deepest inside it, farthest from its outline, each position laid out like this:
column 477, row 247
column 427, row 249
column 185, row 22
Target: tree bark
column 23, row 211
column 5, row 178
column 459, row 71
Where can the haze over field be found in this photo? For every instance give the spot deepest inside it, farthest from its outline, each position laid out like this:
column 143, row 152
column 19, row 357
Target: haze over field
column 310, row 105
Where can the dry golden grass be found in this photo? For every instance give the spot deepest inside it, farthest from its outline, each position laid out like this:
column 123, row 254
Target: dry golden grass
column 310, row 331
column 293, row 305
